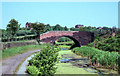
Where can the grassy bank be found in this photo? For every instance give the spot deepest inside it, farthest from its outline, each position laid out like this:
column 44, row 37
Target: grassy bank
column 20, row 41
column 99, row 58
column 19, row 50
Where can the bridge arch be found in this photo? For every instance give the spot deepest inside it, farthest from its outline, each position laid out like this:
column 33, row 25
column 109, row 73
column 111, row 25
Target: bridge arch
column 77, row 43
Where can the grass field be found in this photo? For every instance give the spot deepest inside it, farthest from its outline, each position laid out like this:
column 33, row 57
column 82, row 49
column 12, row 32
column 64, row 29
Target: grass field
column 19, row 50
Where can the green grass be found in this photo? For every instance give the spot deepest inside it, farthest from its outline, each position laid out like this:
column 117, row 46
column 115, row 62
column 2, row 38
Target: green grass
column 63, row 46
column 104, row 58
column 19, row 50
column 68, row 42
column 19, row 41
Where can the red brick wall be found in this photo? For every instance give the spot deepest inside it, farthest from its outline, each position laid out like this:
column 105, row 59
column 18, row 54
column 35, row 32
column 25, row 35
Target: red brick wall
column 56, row 33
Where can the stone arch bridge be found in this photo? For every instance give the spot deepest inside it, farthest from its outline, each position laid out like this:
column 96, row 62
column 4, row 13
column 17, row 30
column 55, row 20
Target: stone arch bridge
column 79, row 37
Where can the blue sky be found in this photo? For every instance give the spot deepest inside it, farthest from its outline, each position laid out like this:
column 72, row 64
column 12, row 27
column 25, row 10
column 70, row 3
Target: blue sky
column 64, row 13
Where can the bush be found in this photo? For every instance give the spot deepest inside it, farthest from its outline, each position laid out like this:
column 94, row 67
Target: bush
column 33, row 70
column 108, row 44
column 45, row 60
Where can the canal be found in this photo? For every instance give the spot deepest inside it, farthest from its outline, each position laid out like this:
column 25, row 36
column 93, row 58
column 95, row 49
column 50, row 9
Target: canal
column 70, row 63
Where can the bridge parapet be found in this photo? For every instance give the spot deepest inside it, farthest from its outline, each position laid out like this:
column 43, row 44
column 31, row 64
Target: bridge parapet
column 56, row 33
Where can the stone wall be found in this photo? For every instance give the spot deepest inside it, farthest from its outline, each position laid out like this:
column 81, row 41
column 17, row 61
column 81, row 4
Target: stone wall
column 1, row 46
column 16, row 44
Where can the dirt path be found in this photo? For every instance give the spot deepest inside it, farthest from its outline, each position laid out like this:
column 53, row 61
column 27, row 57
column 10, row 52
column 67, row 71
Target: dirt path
column 10, row 64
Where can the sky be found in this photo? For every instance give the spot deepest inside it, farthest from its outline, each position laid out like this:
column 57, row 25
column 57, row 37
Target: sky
column 64, row 13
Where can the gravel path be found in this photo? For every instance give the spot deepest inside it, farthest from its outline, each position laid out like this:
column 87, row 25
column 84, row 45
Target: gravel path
column 10, row 64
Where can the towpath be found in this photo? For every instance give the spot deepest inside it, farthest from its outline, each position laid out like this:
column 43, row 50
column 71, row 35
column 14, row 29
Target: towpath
column 10, row 64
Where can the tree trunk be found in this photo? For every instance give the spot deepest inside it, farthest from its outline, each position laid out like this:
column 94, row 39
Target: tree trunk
column 38, row 38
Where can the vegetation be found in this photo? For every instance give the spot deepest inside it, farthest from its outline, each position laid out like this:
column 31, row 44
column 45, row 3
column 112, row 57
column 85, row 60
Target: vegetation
column 33, row 30
column 43, row 63
column 33, row 70
column 64, row 46
column 0, row 33
column 68, row 42
column 37, row 27
column 64, row 42
column 108, row 43
column 98, row 57
column 64, row 39
column 19, row 50
column 68, row 68
column 12, row 27
column 57, row 27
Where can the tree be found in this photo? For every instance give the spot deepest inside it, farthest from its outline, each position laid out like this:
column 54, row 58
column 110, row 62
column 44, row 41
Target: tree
column 106, row 28
column 38, row 28
column 12, row 27
column 58, row 28
column 0, row 33
column 73, row 29
column 65, row 28
column 82, row 29
column 48, row 28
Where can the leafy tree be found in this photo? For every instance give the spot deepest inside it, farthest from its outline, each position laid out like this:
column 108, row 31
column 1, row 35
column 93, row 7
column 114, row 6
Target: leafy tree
column 106, row 28
column 38, row 28
column 65, row 28
column 48, row 28
column 82, row 29
column 73, row 29
column 113, row 29
column 12, row 27
column 58, row 28
column 0, row 33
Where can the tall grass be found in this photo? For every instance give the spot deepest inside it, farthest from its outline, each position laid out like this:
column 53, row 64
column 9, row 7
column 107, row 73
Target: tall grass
column 105, row 58
column 19, row 50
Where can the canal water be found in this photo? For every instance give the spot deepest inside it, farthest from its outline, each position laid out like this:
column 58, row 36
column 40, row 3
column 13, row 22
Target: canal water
column 22, row 69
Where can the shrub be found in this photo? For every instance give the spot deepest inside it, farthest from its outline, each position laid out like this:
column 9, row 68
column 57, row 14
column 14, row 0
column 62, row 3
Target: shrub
column 108, row 44
column 45, row 60
column 33, row 70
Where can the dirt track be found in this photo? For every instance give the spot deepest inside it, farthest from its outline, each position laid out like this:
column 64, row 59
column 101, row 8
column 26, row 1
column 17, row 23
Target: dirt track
column 10, row 64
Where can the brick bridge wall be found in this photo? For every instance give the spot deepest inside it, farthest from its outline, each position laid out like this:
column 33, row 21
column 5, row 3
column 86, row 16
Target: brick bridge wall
column 79, row 37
